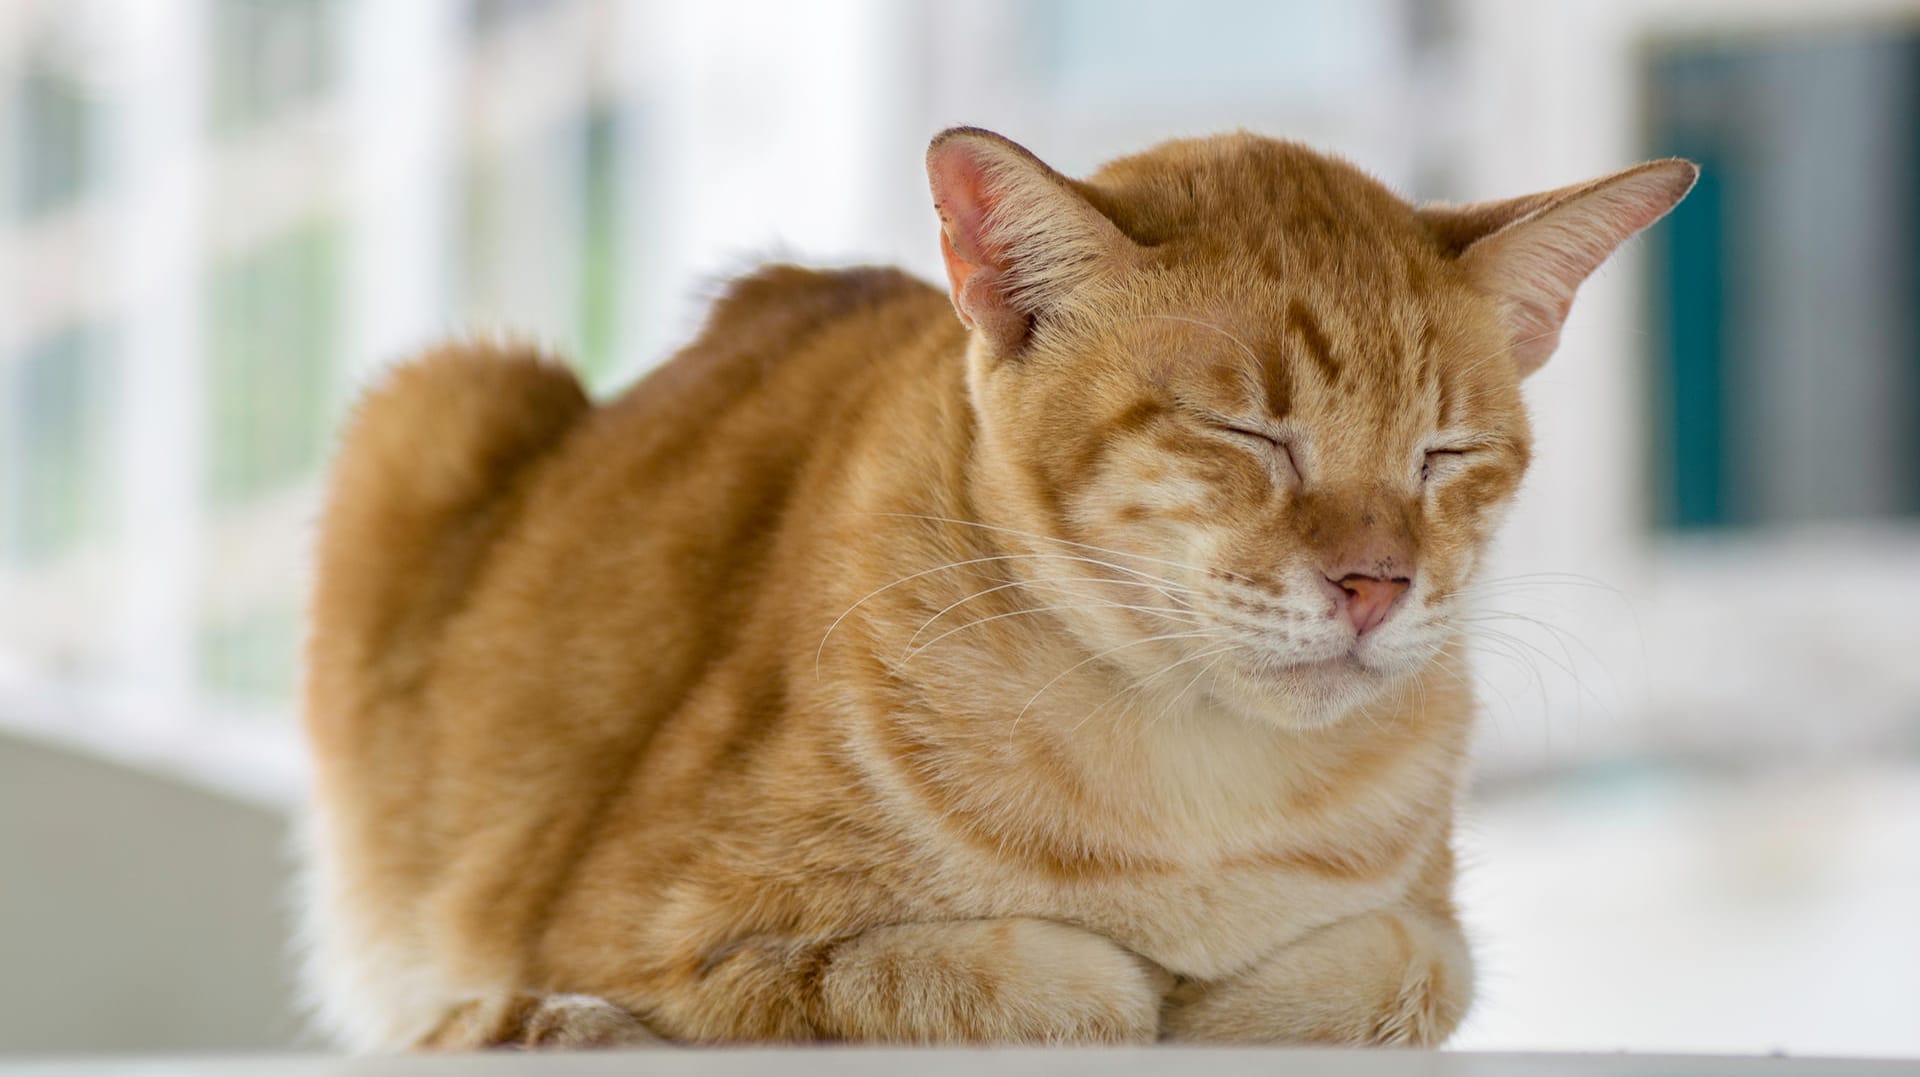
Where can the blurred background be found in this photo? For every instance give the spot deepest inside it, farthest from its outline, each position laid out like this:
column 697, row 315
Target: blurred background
column 1697, row 825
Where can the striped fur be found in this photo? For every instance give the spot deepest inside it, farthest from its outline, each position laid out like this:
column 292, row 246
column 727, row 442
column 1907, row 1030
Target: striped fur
column 858, row 676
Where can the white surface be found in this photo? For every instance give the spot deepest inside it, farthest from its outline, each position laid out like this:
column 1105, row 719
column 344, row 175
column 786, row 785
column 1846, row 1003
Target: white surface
column 1684, row 911
column 1000, row 1063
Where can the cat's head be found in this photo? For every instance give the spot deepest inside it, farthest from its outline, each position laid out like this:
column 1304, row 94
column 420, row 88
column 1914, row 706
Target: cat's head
column 1282, row 403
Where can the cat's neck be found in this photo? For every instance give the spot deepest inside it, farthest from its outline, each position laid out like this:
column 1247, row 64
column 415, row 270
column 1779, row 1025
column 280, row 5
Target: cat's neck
column 1002, row 681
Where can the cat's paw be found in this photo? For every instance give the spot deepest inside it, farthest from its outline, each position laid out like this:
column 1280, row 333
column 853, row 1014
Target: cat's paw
column 995, row 981
column 537, row 1022
column 1385, row 979
column 1078, row 987
column 1425, row 1010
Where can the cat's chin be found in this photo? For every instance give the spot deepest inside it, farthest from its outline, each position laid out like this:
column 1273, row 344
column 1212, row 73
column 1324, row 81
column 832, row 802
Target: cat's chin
column 1303, row 696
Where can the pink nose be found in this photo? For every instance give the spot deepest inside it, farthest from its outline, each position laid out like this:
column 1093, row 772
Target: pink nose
column 1369, row 599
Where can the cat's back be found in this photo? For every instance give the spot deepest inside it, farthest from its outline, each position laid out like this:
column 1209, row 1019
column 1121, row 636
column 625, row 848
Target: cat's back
column 479, row 500
column 777, row 345
column 645, row 541
column 682, row 486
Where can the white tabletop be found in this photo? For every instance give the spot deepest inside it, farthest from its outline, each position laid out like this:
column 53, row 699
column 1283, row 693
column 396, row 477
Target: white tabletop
column 840, row 1062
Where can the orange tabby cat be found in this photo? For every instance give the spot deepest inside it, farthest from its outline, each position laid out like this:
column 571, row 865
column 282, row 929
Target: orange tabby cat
column 1080, row 671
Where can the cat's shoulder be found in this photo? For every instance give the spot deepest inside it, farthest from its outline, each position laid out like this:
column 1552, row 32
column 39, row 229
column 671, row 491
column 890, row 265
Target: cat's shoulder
column 783, row 298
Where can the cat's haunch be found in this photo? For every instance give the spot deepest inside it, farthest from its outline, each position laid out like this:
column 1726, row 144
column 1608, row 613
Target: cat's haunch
column 1084, row 669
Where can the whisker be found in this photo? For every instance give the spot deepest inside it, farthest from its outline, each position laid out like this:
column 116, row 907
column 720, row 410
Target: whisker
column 1188, row 687
column 1569, row 667
column 1095, row 658
column 1459, row 648
column 915, row 652
column 1557, row 577
column 1046, row 538
column 1500, row 646
column 1563, row 637
column 1039, row 582
column 821, row 650
column 1507, row 588
column 1147, row 727
column 1144, row 681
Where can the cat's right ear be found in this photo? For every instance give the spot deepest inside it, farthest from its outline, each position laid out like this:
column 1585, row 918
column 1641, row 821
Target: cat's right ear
column 1532, row 253
column 1017, row 238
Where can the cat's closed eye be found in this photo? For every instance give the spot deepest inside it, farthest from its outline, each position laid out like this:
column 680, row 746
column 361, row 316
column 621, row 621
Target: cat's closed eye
column 1276, row 446
column 1441, row 462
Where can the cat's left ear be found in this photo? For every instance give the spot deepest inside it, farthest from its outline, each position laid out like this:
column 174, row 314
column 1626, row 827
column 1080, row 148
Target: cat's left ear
column 1018, row 238
column 1532, row 253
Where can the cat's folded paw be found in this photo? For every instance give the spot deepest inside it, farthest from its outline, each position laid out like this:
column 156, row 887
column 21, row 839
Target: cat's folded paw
column 537, row 1022
column 1425, row 1011
column 995, row 981
column 1079, row 987
column 1385, row 979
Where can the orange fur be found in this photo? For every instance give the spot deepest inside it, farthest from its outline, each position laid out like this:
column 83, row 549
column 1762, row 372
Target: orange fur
column 865, row 675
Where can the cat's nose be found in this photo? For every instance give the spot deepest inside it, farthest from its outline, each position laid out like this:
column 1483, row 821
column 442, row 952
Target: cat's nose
column 1368, row 600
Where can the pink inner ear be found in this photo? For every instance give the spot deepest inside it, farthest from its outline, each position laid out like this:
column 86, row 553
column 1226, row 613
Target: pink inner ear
column 961, row 199
column 958, row 270
column 1537, row 264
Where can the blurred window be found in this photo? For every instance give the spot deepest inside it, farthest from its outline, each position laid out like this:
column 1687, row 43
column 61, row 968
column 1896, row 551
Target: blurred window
column 601, row 285
column 59, row 420
column 538, row 239
column 273, row 375
column 250, row 657
column 1147, row 53
column 55, row 159
column 487, row 16
column 1787, row 302
column 269, row 55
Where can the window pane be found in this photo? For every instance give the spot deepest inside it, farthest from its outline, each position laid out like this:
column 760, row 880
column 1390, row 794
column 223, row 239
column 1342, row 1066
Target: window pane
column 489, row 16
column 536, row 246
column 252, row 657
column 1785, row 319
column 1147, row 54
column 56, row 440
column 479, row 241
column 55, row 162
column 600, row 277
column 273, row 362
column 269, row 55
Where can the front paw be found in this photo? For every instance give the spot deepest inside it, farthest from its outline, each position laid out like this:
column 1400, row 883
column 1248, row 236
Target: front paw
column 993, row 981
column 1385, row 979
column 537, row 1022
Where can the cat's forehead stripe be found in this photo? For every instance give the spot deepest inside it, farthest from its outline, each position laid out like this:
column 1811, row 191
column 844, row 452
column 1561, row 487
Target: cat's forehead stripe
column 1303, row 326
column 1279, row 383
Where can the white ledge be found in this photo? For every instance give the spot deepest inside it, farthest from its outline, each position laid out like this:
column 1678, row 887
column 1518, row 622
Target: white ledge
column 1009, row 1062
